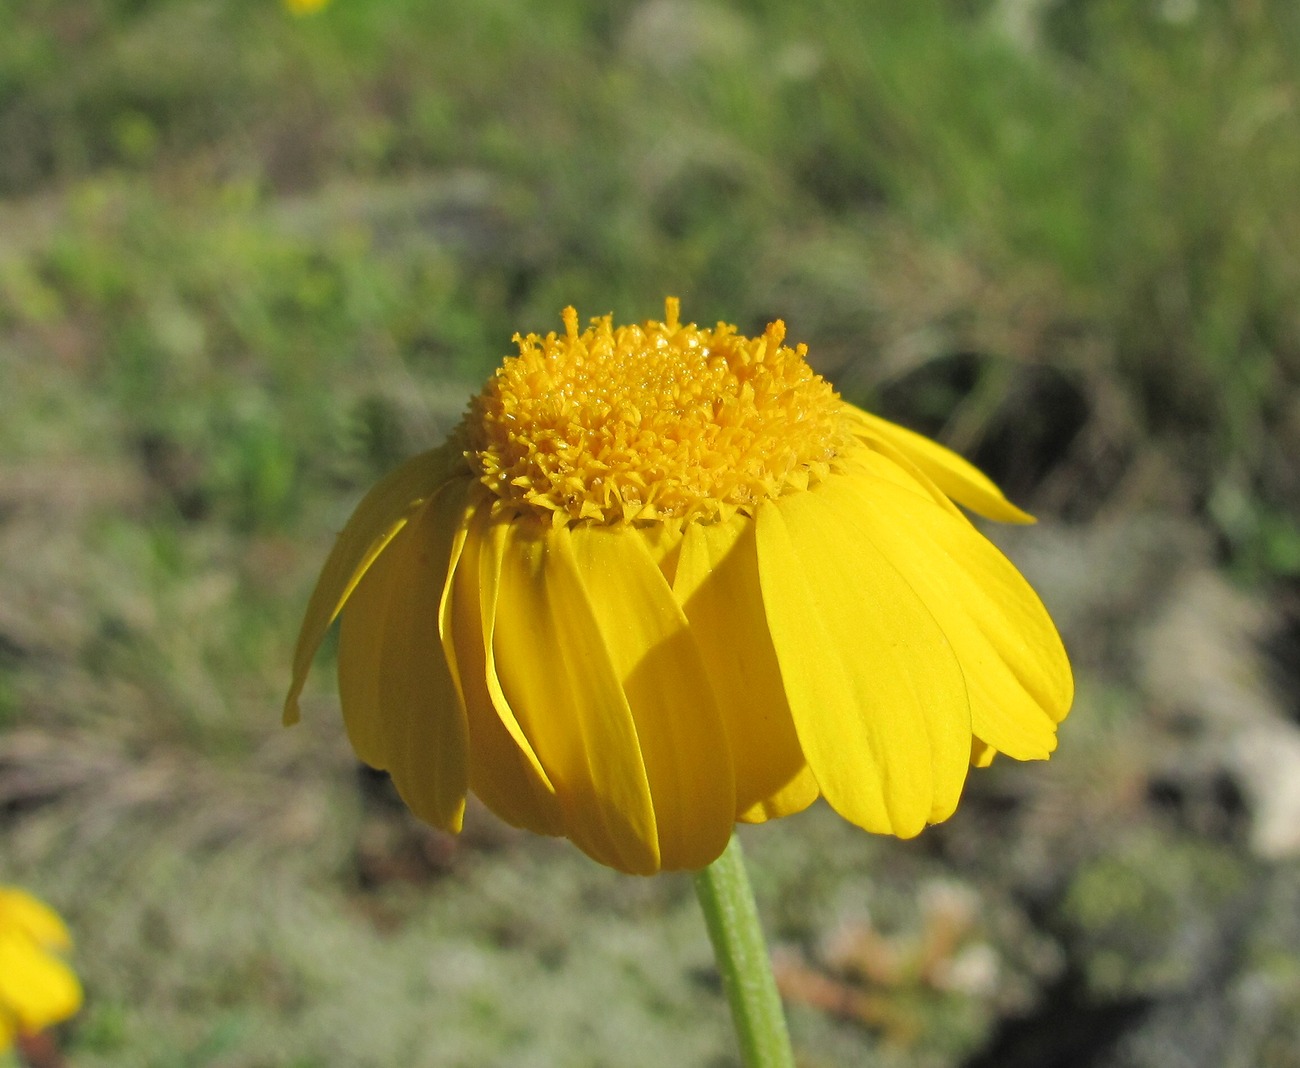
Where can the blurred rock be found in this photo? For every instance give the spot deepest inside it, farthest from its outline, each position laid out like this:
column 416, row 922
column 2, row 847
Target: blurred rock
column 1204, row 670
column 669, row 35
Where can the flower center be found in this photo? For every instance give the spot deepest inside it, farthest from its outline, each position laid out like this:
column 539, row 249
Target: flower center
column 652, row 422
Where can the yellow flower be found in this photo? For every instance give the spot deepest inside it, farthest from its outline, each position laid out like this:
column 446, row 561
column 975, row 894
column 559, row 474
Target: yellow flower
column 305, row 7
column 37, row 989
column 663, row 578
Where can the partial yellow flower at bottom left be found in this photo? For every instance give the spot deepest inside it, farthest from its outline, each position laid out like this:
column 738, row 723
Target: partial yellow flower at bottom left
column 37, row 987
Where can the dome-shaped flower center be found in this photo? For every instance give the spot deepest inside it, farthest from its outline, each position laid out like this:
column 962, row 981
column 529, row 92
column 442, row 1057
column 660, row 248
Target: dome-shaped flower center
column 652, row 422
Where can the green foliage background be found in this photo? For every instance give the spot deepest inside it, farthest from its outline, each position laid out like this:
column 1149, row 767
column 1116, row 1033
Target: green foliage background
column 248, row 261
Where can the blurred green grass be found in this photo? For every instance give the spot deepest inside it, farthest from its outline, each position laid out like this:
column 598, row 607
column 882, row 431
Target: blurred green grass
column 248, row 261
column 232, row 205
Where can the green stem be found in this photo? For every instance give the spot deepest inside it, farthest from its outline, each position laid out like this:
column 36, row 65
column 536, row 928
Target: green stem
column 732, row 918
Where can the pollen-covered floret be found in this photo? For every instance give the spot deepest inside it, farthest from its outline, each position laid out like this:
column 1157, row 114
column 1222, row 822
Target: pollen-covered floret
column 653, row 422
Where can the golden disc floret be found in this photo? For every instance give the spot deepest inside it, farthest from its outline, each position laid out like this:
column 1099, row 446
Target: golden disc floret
column 652, row 422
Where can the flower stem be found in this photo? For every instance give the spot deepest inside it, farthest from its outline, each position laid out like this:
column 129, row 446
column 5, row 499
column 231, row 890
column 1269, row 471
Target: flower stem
column 732, row 918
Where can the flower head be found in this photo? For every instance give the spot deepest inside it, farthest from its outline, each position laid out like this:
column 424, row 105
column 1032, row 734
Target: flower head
column 305, row 7
column 662, row 578
column 37, row 989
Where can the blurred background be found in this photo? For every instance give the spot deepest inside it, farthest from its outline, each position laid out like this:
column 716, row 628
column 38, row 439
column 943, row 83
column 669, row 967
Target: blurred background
column 249, row 259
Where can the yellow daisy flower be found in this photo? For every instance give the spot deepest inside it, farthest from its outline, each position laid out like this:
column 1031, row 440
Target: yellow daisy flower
column 37, row 989
column 662, row 578
column 305, row 7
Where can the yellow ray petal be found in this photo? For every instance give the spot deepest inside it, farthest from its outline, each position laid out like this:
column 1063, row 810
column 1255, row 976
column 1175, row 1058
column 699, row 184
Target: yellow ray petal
column 428, row 755
column 503, row 770
column 877, row 696
column 1015, row 666
column 363, row 631
column 794, row 796
column 959, row 479
column 555, row 675
column 20, row 911
column 379, row 516
column 36, row 988
column 493, row 539
column 650, row 646
column 716, row 583
column 663, row 540
column 903, row 470
column 415, row 726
